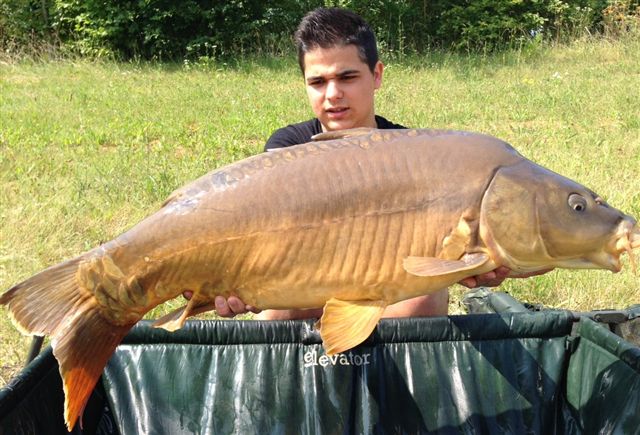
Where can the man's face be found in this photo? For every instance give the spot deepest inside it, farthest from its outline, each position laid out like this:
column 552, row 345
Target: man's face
column 340, row 87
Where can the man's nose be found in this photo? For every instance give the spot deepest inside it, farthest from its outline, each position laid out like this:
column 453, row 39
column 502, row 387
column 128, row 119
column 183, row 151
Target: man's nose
column 334, row 92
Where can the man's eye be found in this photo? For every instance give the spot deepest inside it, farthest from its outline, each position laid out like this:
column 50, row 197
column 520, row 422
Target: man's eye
column 348, row 78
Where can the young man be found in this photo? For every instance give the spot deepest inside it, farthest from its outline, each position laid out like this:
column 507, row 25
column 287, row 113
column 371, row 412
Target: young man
column 338, row 57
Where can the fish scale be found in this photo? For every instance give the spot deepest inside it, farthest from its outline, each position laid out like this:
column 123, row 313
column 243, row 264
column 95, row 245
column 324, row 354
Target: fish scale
column 354, row 222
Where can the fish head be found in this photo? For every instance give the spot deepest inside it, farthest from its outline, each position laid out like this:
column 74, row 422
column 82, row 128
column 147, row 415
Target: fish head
column 534, row 219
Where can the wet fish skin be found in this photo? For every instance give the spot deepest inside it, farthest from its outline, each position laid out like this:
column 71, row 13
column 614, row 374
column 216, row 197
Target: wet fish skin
column 354, row 222
column 549, row 230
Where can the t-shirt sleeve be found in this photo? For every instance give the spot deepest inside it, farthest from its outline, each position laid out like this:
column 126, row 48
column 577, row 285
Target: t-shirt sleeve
column 383, row 123
column 293, row 134
column 282, row 137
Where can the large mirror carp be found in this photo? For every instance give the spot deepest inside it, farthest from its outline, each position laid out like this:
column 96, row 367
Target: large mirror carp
column 352, row 222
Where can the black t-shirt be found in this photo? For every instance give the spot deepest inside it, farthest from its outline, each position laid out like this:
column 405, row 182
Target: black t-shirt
column 295, row 134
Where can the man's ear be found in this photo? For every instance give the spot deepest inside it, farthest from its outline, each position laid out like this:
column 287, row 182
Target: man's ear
column 377, row 75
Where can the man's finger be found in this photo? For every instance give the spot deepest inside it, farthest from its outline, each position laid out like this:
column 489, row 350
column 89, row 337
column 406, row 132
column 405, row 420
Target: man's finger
column 502, row 272
column 222, row 308
column 469, row 282
column 236, row 305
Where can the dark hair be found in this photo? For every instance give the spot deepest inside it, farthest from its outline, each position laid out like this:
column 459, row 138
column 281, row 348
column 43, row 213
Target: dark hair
column 330, row 27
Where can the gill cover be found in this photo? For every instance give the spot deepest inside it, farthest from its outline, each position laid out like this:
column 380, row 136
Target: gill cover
column 534, row 218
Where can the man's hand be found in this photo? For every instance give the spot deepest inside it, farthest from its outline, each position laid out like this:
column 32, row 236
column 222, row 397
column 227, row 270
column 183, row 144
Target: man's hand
column 495, row 277
column 229, row 307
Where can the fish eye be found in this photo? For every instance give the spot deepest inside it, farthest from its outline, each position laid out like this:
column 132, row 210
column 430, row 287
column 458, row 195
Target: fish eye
column 577, row 202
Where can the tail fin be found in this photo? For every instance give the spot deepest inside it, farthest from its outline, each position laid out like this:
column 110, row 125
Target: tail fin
column 53, row 303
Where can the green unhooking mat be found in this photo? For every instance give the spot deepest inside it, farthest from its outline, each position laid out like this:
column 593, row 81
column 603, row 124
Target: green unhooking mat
column 517, row 373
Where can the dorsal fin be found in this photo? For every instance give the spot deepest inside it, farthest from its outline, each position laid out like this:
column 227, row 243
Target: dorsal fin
column 342, row 134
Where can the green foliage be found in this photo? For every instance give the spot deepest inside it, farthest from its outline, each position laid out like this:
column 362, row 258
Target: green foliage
column 621, row 17
column 22, row 21
column 210, row 29
column 412, row 25
column 401, row 25
column 167, row 30
column 490, row 23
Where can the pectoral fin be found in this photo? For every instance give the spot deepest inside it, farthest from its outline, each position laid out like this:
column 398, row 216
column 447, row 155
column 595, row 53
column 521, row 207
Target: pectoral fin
column 455, row 244
column 345, row 324
column 175, row 319
column 431, row 266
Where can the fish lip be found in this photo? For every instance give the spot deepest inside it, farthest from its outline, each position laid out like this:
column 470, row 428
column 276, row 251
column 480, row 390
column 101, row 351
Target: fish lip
column 627, row 237
column 609, row 256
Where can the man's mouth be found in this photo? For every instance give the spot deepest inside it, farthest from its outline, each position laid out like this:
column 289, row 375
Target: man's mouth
column 336, row 112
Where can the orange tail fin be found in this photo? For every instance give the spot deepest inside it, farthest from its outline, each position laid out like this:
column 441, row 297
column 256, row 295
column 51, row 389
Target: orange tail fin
column 52, row 303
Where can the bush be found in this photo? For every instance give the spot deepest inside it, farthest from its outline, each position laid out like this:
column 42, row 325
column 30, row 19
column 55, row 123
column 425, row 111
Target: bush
column 621, row 17
column 22, row 22
column 210, row 29
column 164, row 29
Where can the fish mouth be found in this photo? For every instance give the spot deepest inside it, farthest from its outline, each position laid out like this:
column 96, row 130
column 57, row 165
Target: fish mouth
column 628, row 239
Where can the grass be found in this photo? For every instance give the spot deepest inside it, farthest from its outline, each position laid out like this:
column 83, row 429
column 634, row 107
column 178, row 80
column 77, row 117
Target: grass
column 87, row 149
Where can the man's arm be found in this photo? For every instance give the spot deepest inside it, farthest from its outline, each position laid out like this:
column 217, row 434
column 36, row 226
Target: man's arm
column 434, row 304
